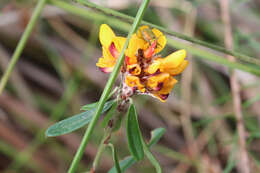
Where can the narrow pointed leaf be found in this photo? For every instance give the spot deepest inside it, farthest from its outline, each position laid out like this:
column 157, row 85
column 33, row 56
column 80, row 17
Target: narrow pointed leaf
column 152, row 159
column 126, row 163
column 133, row 134
column 155, row 136
column 75, row 122
column 114, row 153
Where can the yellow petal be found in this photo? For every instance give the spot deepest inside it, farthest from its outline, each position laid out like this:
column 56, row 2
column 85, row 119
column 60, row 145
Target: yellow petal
column 106, row 35
column 168, row 85
column 134, row 69
column 134, row 44
column 140, row 29
column 130, row 60
column 161, row 40
column 119, row 43
column 154, row 81
column 107, row 60
column 179, row 69
column 133, row 81
column 107, row 54
column 104, row 62
column 153, row 67
column 173, row 60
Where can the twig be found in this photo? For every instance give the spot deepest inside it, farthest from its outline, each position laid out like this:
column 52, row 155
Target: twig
column 243, row 163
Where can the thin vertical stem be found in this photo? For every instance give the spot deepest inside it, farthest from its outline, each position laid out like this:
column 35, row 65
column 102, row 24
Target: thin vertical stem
column 107, row 89
column 21, row 44
column 243, row 164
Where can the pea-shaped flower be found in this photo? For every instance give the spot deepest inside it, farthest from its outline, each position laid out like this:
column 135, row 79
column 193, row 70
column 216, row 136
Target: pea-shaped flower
column 144, row 70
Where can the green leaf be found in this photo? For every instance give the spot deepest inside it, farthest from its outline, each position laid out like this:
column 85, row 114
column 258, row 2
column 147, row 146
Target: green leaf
column 129, row 161
column 114, row 153
column 118, row 122
column 133, row 134
column 156, row 135
column 88, row 106
column 152, row 159
column 124, row 164
column 108, row 116
column 75, row 122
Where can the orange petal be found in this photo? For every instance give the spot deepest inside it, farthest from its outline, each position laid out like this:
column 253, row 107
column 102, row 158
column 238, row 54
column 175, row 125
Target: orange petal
column 134, row 69
column 133, row 81
column 153, row 82
column 167, row 86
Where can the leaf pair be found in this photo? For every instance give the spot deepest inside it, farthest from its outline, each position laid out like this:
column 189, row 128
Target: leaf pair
column 130, row 160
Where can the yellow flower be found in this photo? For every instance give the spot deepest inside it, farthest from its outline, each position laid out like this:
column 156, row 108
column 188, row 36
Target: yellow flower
column 143, row 70
column 173, row 64
column 111, row 48
column 133, row 81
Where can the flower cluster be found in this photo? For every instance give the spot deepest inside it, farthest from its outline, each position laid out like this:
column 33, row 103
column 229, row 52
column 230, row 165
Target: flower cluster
column 144, row 70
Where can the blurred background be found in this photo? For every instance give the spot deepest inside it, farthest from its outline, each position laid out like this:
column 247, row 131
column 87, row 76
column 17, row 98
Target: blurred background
column 56, row 75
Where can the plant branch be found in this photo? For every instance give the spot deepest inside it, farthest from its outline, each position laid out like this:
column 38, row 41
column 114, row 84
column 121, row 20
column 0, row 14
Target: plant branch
column 107, row 89
column 21, row 44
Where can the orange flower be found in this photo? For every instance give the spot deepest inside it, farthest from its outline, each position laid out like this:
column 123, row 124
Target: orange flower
column 144, row 71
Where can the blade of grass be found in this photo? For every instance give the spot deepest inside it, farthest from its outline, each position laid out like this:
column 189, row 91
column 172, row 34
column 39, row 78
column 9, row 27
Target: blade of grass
column 107, row 89
column 21, row 44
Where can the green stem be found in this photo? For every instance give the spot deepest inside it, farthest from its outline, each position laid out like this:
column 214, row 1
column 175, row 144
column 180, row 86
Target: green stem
column 130, row 19
column 107, row 89
column 101, row 148
column 21, row 44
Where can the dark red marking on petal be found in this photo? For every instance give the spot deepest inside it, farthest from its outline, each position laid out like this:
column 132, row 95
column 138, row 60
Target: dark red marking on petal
column 150, row 51
column 159, row 86
column 127, row 60
column 113, row 50
column 131, row 70
column 156, row 73
column 105, row 69
column 164, row 96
